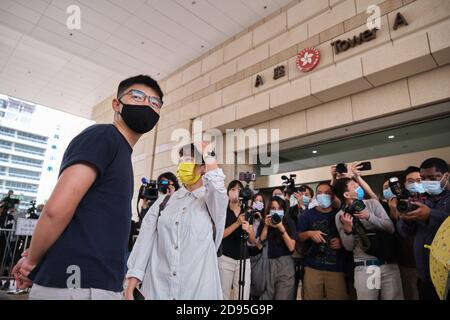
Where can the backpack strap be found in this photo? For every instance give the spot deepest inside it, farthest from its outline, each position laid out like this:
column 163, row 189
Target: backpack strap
column 162, row 206
column 213, row 223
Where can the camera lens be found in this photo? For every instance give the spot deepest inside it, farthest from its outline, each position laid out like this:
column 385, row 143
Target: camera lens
column 402, row 206
column 275, row 219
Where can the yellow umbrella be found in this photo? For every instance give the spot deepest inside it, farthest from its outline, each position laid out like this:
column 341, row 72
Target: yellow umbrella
column 440, row 259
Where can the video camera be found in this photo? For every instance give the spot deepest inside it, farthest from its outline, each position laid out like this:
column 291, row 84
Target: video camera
column 148, row 190
column 404, row 197
column 31, row 212
column 246, row 194
column 289, row 184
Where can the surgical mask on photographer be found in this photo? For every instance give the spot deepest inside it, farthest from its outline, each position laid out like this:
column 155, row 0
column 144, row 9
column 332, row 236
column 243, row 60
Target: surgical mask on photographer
column 186, row 173
column 434, row 188
column 233, row 195
column 387, row 194
column 359, row 193
column 306, row 200
column 280, row 213
column 293, row 201
column 415, row 187
column 324, row 200
column 139, row 118
column 258, row 206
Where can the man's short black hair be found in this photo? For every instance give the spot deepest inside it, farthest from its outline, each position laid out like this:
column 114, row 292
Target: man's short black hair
column 409, row 170
column 340, row 187
column 440, row 165
column 325, row 184
column 140, row 79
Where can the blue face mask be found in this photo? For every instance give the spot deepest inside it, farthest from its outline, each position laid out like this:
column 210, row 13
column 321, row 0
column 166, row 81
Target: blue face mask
column 306, row 200
column 359, row 193
column 387, row 194
column 415, row 187
column 433, row 188
column 324, row 200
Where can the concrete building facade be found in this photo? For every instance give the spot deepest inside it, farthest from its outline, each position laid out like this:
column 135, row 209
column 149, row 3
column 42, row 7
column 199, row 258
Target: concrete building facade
column 362, row 83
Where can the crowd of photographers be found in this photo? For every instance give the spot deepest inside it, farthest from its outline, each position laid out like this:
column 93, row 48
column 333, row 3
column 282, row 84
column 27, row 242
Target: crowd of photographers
column 339, row 240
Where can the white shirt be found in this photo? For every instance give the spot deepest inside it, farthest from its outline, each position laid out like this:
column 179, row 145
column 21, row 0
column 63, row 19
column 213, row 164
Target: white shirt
column 175, row 255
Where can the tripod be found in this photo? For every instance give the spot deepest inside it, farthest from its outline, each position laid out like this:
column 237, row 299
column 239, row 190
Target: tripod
column 243, row 254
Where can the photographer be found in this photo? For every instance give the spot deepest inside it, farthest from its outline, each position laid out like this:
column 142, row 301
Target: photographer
column 175, row 255
column 279, row 233
column 86, row 221
column 324, row 260
column 365, row 229
column 299, row 201
column 405, row 252
column 237, row 222
column 167, row 184
column 424, row 222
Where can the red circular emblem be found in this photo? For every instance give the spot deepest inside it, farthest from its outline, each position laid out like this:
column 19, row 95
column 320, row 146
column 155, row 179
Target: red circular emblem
column 308, row 59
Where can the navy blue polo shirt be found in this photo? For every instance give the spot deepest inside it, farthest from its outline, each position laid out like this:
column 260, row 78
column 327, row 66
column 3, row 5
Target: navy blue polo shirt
column 96, row 239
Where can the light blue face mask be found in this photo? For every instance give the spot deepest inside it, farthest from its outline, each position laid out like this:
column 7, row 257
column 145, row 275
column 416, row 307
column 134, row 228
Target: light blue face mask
column 359, row 193
column 306, row 200
column 415, row 187
column 434, row 188
column 324, row 200
column 387, row 194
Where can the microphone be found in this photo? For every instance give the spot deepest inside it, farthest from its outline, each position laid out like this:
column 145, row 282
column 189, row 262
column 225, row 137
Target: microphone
column 144, row 180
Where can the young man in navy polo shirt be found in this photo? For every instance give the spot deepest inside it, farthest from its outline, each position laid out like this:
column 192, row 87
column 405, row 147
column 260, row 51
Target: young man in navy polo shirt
column 79, row 244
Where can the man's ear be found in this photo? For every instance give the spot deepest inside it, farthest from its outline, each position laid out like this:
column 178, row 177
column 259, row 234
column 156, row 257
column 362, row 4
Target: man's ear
column 116, row 105
column 347, row 195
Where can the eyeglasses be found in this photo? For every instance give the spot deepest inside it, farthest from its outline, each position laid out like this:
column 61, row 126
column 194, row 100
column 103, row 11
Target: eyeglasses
column 139, row 96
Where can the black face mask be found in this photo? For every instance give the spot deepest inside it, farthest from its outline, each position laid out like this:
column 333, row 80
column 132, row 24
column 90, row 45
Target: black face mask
column 139, row 118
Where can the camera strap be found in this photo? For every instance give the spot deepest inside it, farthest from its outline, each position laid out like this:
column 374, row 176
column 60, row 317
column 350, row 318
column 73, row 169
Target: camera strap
column 163, row 204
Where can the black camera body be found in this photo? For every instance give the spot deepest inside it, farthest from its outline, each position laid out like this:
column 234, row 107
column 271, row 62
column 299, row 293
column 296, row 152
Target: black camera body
column 275, row 219
column 148, row 190
column 356, row 207
column 404, row 197
column 289, row 184
column 9, row 202
column 31, row 212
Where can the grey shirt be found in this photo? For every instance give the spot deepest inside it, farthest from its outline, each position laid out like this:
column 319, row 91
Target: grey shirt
column 378, row 221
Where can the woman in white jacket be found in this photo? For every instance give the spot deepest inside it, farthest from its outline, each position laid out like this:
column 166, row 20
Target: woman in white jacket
column 175, row 255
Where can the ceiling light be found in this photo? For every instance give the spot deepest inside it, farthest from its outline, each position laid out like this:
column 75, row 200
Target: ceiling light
column 391, row 137
column 314, row 151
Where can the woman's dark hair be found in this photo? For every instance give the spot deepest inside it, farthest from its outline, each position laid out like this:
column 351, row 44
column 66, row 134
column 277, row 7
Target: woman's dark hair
column 311, row 191
column 233, row 184
column 171, row 177
column 192, row 151
column 140, row 79
column 340, row 187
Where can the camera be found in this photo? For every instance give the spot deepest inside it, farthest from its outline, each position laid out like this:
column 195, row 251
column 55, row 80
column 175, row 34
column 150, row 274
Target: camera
column 289, row 184
column 31, row 212
column 341, row 168
column 275, row 218
column 404, row 197
column 148, row 190
column 246, row 193
column 356, row 207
